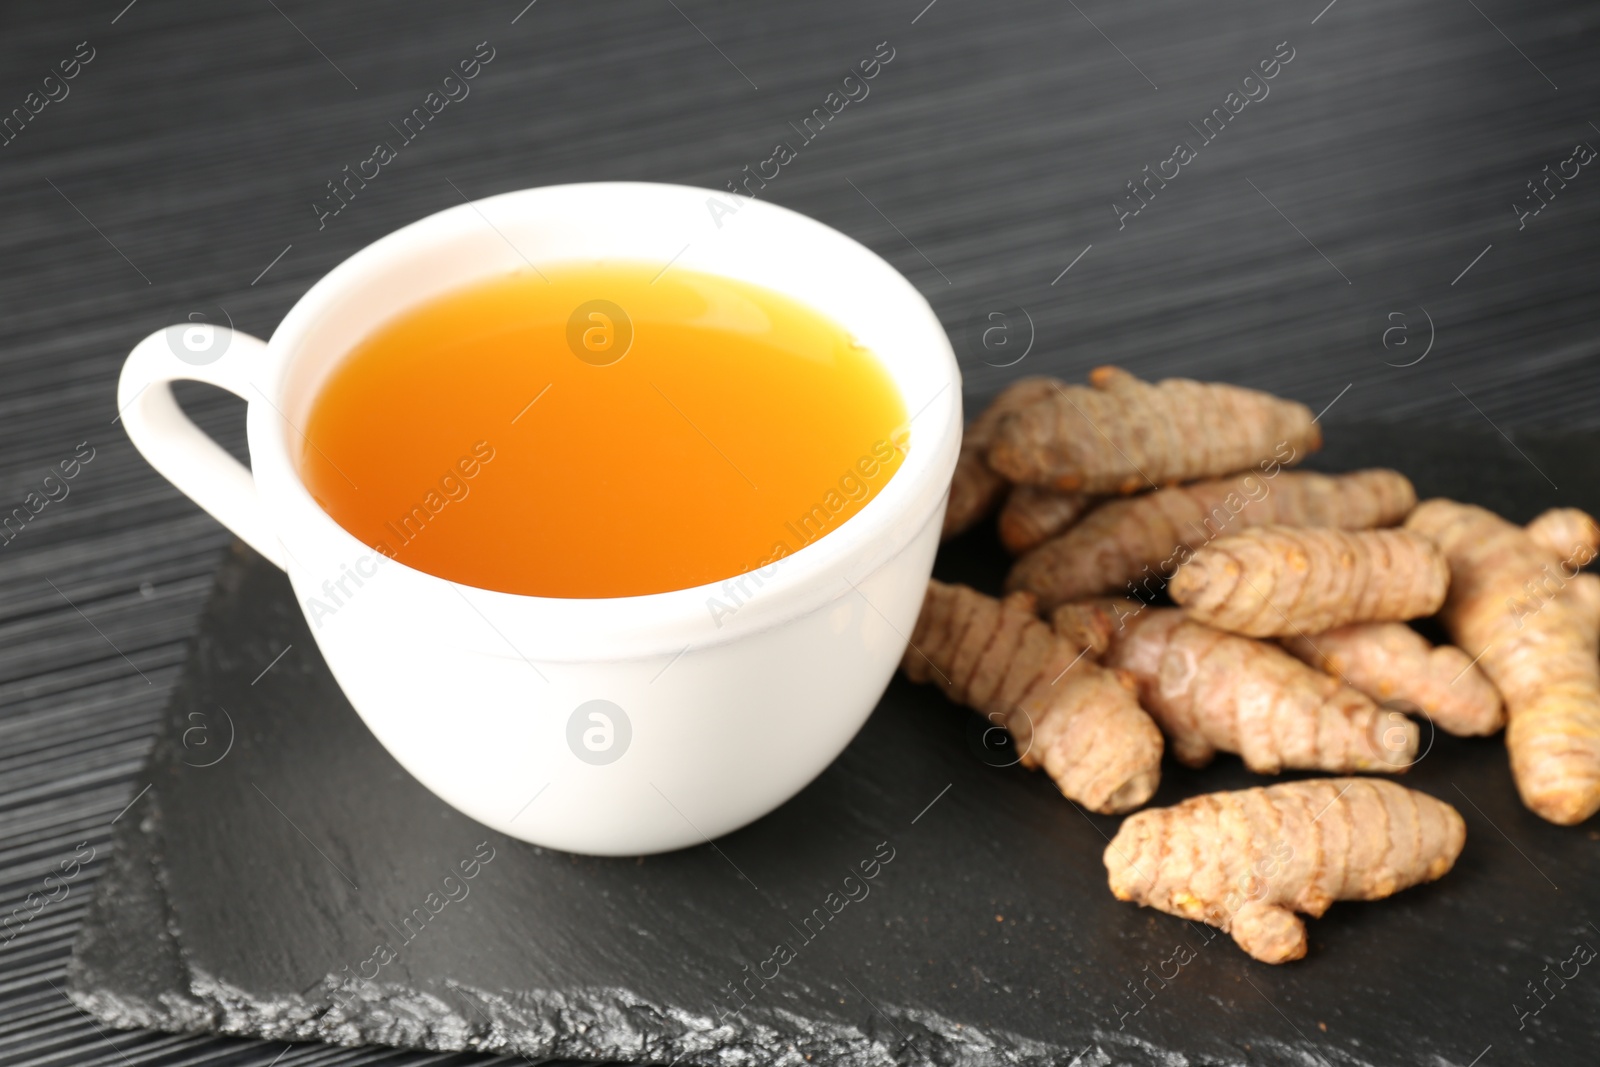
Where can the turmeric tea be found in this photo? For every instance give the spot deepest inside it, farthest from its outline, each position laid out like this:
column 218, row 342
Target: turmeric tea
column 601, row 430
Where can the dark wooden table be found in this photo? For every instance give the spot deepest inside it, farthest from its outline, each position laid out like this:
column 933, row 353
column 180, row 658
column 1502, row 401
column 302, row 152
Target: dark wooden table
column 1362, row 234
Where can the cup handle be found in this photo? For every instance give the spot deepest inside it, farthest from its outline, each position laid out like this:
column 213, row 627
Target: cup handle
column 178, row 449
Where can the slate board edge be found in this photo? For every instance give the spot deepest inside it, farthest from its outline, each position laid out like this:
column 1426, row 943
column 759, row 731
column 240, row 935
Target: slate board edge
column 598, row 1025
column 118, row 986
column 151, row 985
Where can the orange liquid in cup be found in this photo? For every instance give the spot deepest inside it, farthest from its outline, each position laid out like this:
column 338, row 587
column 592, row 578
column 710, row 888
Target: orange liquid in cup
column 603, row 430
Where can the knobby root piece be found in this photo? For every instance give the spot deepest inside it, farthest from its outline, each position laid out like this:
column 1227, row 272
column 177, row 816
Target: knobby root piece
column 1211, row 691
column 1389, row 661
column 1137, row 544
column 1097, row 622
column 975, row 489
column 1519, row 605
column 1246, row 861
column 1033, row 514
column 1273, row 581
column 1568, row 532
column 1124, row 434
column 1077, row 720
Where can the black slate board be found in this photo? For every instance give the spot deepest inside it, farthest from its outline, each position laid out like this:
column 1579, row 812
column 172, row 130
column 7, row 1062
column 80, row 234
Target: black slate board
column 190, row 149
column 279, row 845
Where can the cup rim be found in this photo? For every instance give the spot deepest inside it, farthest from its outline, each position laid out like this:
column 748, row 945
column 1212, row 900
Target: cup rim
column 631, row 625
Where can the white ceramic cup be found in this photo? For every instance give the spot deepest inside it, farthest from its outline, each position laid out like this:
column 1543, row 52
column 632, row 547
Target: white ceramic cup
column 609, row 726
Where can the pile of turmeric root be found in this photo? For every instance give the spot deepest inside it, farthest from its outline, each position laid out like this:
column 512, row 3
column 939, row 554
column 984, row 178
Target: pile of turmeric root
column 1287, row 643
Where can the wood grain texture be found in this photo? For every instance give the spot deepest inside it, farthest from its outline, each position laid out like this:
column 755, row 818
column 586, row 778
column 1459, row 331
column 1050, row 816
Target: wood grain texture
column 991, row 149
